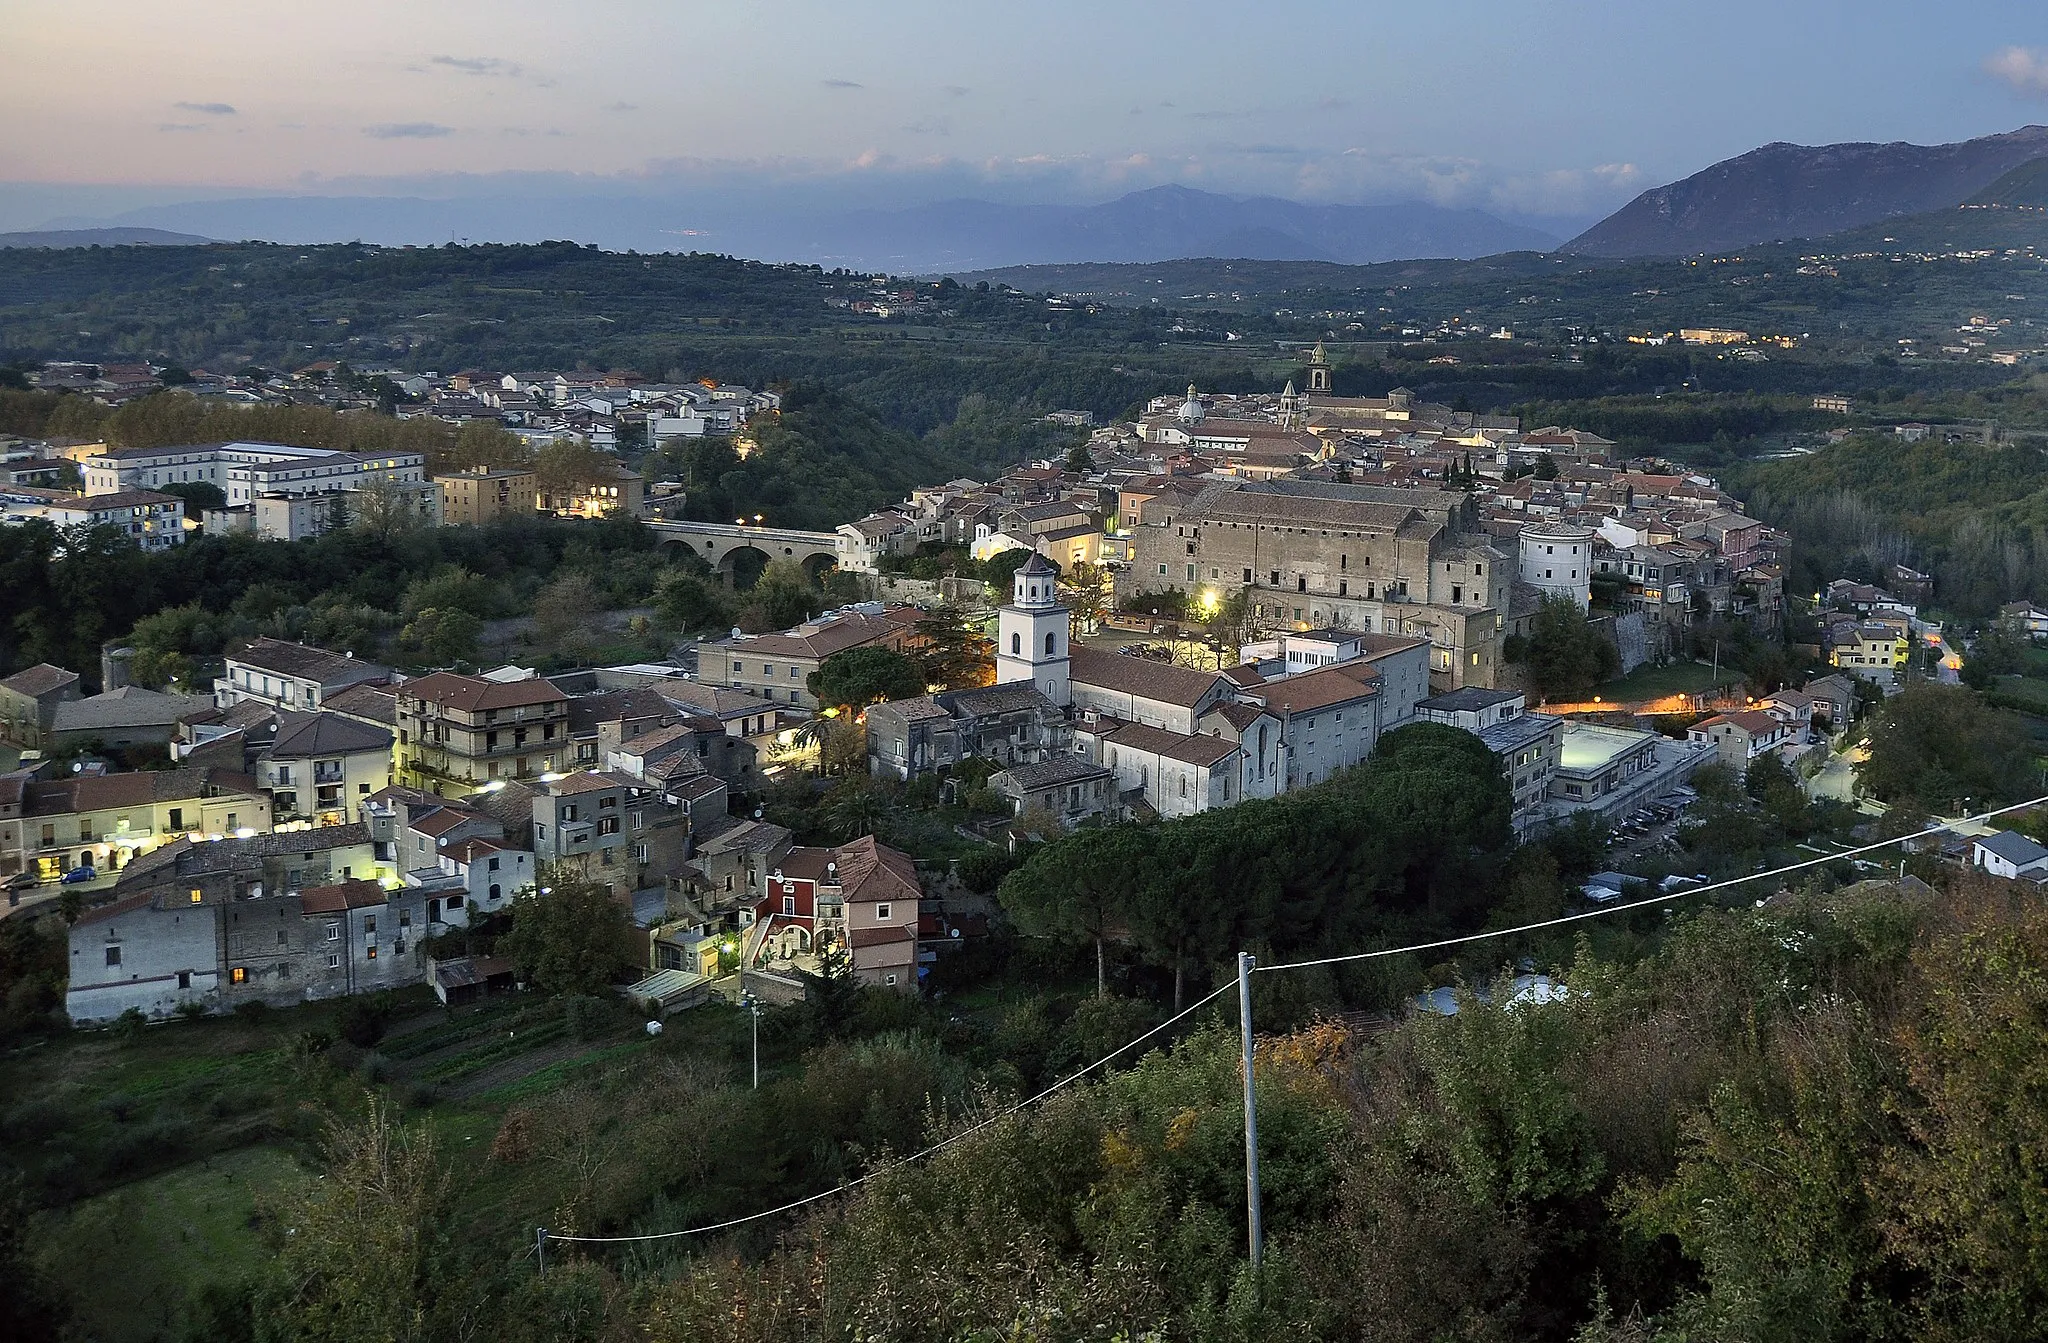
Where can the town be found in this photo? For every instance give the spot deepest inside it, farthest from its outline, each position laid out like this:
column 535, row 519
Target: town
column 1228, row 598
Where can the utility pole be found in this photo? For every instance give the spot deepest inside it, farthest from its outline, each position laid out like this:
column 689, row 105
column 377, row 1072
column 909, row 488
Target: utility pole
column 1245, row 962
column 540, row 1245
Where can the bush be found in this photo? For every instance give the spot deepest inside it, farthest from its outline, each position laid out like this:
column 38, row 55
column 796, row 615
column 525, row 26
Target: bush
column 191, row 1009
column 129, row 1024
column 252, row 1011
column 362, row 1022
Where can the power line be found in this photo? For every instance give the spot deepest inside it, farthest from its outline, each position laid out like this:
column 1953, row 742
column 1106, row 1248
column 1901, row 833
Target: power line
column 1666, row 899
column 544, row 1235
column 936, row 1147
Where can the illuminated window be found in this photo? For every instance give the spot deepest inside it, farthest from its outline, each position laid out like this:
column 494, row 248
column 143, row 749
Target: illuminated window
column 239, row 975
column 197, row 895
column 370, row 952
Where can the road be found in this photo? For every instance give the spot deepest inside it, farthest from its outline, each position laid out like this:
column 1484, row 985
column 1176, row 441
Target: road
column 1950, row 669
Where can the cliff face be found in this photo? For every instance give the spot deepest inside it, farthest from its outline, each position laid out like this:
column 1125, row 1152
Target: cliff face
column 1799, row 191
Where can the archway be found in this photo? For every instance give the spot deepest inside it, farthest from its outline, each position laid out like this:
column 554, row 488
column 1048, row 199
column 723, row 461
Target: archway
column 741, row 566
column 816, row 566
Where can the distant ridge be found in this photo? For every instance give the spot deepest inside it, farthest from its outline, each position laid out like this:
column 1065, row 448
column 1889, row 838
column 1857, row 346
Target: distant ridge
column 1785, row 191
column 102, row 237
column 2024, row 185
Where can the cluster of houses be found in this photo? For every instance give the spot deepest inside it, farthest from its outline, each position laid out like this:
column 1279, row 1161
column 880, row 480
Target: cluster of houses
column 324, row 817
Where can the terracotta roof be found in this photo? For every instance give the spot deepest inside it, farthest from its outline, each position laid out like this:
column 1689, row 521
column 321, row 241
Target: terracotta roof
column 471, row 693
column 880, row 937
column 1307, row 692
column 115, row 910
column 441, row 820
column 467, row 850
column 1192, row 750
column 820, row 639
column 342, row 895
column 374, row 702
column 582, row 781
column 871, row 871
column 1159, row 681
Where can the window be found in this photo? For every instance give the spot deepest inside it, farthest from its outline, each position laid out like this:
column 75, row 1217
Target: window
column 177, row 818
column 197, row 895
column 792, row 673
column 333, row 961
column 889, row 979
column 238, row 975
column 1016, row 644
column 184, row 979
column 1049, row 643
column 370, row 924
column 497, row 891
column 334, row 932
column 370, row 952
column 113, row 955
column 789, row 904
column 882, row 913
column 282, row 940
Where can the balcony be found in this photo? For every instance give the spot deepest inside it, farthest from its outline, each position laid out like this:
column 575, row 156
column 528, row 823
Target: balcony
column 329, row 772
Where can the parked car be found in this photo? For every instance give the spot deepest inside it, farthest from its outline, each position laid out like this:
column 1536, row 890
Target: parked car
column 77, row 875
column 20, row 881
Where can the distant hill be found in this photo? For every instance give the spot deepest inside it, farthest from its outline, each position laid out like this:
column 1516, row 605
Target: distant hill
column 2024, row 185
column 102, row 237
column 1784, row 191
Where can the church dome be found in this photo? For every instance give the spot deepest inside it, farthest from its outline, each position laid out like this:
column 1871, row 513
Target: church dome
column 1191, row 411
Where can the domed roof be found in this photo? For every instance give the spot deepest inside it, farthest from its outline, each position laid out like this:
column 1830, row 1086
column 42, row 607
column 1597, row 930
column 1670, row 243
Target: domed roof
column 1191, row 410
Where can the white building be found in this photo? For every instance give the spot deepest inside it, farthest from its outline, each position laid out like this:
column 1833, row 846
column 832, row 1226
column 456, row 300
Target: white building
column 1557, row 559
column 1032, row 633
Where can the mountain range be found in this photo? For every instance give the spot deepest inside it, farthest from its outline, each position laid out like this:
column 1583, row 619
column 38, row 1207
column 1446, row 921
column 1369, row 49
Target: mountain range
column 963, row 234
column 1785, row 191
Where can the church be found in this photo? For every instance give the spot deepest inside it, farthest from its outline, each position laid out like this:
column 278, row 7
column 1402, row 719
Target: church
column 1177, row 740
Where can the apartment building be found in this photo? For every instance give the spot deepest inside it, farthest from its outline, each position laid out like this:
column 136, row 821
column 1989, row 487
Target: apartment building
column 457, row 734
column 473, row 498
column 290, row 675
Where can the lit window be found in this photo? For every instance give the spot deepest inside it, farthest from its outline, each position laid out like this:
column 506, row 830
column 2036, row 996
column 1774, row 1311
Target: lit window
column 197, row 895
column 239, row 975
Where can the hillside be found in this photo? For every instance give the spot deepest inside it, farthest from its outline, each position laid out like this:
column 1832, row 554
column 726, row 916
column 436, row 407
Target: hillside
column 1800, row 191
column 101, row 237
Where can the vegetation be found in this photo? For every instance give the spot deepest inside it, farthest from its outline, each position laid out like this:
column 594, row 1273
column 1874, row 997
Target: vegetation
column 1566, row 657
column 1936, row 747
column 568, row 936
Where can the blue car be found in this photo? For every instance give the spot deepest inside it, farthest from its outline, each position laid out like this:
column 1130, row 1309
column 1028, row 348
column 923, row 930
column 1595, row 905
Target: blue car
column 77, row 875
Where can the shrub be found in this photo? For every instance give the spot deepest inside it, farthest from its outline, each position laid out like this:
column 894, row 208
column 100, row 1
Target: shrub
column 362, row 1022
column 129, row 1024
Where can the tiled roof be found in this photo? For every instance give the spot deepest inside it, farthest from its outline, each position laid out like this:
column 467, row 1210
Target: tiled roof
column 472, row 693
column 869, row 871
column 1158, row 681
column 342, row 895
column 40, row 680
column 1053, row 772
column 284, row 658
column 1192, row 750
column 309, row 734
column 1305, row 692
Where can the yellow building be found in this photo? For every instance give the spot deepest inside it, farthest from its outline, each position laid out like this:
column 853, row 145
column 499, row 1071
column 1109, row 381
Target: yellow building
column 473, row 498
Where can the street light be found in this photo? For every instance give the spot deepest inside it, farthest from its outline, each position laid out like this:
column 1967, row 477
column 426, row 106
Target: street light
column 753, row 1006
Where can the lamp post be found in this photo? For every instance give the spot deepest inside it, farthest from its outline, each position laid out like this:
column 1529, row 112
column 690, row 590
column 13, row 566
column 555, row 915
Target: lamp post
column 753, row 1006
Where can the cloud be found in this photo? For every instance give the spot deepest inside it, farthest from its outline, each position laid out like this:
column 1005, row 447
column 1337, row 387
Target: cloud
column 841, row 84
column 180, row 126
column 955, row 90
column 407, row 130
column 622, row 107
column 930, row 126
column 210, row 109
column 2022, row 67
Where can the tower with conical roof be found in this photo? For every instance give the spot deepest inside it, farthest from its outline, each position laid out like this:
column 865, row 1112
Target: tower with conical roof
column 1290, row 407
column 1318, row 371
column 1032, row 633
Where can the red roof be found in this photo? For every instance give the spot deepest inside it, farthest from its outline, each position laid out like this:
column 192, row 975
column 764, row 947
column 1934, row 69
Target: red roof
column 343, row 895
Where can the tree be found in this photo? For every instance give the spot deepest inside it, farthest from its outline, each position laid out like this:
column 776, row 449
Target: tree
column 1546, row 467
column 2000, row 650
column 568, row 934
column 856, row 807
column 199, row 495
column 365, row 1253
column 1079, row 889
column 858, row 677
column 1938, row 745
column 30, row 1307
column 686, row 602
column 482, row 445
column 567, row 464
column 383, row 508
column 1566, row 655
column 441, row 636
column 953, row 651
column 1078, row 460
column 562, row 615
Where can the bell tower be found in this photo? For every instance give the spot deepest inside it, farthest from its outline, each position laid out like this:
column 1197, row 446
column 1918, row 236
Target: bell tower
column 1318, row 371
column 1032, row 633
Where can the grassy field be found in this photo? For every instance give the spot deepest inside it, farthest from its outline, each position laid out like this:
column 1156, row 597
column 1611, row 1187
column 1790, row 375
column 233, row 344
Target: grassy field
column 163, row 1238
column 1677, row 678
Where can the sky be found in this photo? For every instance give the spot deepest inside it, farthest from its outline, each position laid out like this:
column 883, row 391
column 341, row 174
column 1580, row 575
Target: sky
column 1532, row 109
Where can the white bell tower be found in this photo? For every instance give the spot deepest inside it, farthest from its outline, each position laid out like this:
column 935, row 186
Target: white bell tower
column 1032, row 633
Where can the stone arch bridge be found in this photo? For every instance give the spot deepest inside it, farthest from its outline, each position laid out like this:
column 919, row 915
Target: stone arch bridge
column 720, row 543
